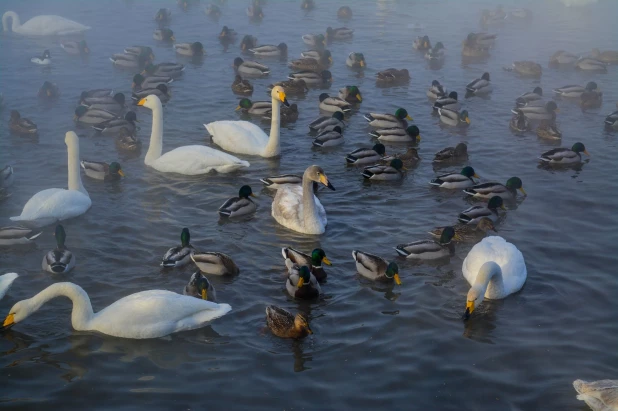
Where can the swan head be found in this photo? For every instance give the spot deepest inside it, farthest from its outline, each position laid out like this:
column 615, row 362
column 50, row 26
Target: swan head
column 71, row 139
column 19, row 312
column 278, row 93
column 151, row 101
column 301, row 324
column 476, row 294
column 315, row 173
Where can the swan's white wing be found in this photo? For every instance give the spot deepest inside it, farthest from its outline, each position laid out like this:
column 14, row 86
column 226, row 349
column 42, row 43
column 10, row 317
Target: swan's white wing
column 155, row 313
column 194, row 160
column 238, row 136
column 5, row 283
column 54, row 204
column 48, row 25
column 287, row 210
column 506, row 255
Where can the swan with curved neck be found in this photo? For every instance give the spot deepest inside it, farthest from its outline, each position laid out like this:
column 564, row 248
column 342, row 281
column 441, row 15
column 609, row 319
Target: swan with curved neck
column 495, row 269
column 56, row 204
column 188, row 160
column 244, row 137
column 147, row 314
column 298, row 209
column 46, row 25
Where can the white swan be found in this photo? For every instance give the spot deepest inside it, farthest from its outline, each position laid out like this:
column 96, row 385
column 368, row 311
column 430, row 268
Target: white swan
column 47, row 25
column 297, row 208
column 56, row 204
column 244, row 137
column 6, row 281
column 495, row 269
column 147, row 314
column 188, row 160
column 599, row 395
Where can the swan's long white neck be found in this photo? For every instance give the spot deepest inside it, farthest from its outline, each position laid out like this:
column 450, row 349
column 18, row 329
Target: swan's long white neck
column 273, row 148
column 82, row 309
column 14, row 17
column 489, row 276
column 75, row 178
column 310, row 215
column 156, row 136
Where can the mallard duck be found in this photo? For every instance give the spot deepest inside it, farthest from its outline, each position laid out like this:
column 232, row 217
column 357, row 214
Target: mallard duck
column 161, row 91
column 113, row 105
column 608, row 56
column 312, row 78
column 591, row 99
column 376, row 268
column 114, row 126
column 588, row 64
column 49, row 90
column 301, row 283
column 479, row 86
column 248, row 42
column 212, row 10
column 75, row 47
column 344, row 12
column 311, row 64
column 528, row 97
column 239, row 206
column 328, row 122
column 356, row 60
column 164, row 35
column 332, row 104
column 421, row 43
column 84, row 115
column 481, row 40
column 313, row 261
column 549, row 130
column 285, row 325
column 385, row 121
column 144, row 51
column 393, row 171
column 140, row 82
column 102, row 171
column 409, row 134
column 450, row 102
column 468, row 232
column 519, row 122
column 215, row 263
column 392, row 76
column 255, row 12
column 488, row 190
column 286, row 114
column 131, row 61
column 240, row 86
column 527, row 68
column 429, row 249
column 436, row 54
column 562, row 57
column 453, row 118
column 100, row 92
column 546, row 112
column 314, row 40
column 270, row 50
column 341, row 33
column 456, row 180
column 21, row 125
column 476, row 46
column 410, row 158
column 173, row 70
column 563, row 155
column 126, row 141
column 611, row 121
column 179, row 255
column 599, row 395
column 257, row 108
column 307, row 4
column 17, row 235
column 436, row 90
column 44, row 59
column 575, row 91
column 276, row 182
column 200, row 287
column 163, row 16
column 6, row 177
column 451, row 154
column 351, row 94
column 227, row 34
column 296, row 86
column 363, row 156
column 59, row 260
column 474, row 214
column 316, row 54
column 190, row 49
column 329, row 138
column 250, row 68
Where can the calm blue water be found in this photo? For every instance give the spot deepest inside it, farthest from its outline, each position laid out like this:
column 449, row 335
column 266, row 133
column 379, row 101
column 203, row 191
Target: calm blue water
column 373, row 347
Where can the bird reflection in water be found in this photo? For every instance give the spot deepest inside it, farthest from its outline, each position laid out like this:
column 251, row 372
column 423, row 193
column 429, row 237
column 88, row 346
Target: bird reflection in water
column 480, row 325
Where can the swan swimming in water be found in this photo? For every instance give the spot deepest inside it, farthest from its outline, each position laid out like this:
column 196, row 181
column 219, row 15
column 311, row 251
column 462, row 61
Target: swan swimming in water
column 46, row 25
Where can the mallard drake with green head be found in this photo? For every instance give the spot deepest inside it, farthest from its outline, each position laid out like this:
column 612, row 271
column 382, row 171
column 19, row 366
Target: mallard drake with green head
column 376, row 268
column 180, row 255
column 239, row 206
column 410, row 134
column 61, row 259
column 200, row 287
column 356, row 60
column 456, row 180
column 17, row 235
column 468, row 232
column 102, row 171
column 574, row 90
column 451, row 154
column 454, row 118
column 285, row 325
column 256, row 108
column 301, row 283
column 488, row 190
column 393, row 171
column 21, row 125
column 474, row 214
column 215, row 263
column 313, row 261
column 429, row 249
column 383, row 121
column 563, row 155
column 351, row 94
column 364, row 155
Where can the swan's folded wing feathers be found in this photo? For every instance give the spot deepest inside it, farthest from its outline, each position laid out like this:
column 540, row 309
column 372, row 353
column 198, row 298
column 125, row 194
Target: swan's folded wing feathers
column 196, row 160
column 6, row 281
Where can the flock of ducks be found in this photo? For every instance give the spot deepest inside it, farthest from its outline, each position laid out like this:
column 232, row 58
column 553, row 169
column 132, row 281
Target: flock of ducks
column 494, row 268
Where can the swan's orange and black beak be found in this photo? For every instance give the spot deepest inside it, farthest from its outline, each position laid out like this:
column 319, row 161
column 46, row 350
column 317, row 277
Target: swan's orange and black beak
column 284, row 99
column 141, row 102
column 469, row 310
column 324, row 180
column 9, row 321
